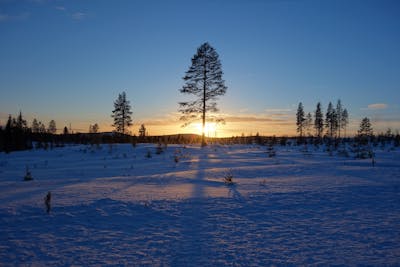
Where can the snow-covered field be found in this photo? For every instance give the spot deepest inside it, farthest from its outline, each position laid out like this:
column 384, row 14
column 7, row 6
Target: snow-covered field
column 115, row 206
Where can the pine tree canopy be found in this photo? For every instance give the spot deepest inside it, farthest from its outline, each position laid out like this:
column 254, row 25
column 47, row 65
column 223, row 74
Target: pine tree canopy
column 122, row 114
column 319, row 120
column 365, row 128
column 300, row 119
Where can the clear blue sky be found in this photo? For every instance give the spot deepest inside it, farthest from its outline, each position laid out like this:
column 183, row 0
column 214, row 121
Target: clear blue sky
column 68, row 60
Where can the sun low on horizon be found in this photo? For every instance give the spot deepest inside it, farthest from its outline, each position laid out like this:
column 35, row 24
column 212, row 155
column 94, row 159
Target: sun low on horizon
column 210, row 129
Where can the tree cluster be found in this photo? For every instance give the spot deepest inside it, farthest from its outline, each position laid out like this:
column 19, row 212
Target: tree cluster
column 16, row 135
column 336, row 120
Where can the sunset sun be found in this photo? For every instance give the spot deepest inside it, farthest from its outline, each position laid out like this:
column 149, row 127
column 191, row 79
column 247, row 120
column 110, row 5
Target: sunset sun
column 209, row 129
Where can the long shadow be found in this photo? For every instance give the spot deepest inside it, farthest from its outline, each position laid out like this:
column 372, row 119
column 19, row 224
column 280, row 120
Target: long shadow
column 98, row 233
column 193, row 248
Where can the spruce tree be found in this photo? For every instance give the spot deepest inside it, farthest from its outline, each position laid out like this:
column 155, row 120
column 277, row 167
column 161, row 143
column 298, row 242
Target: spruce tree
column 21, row 123
column 319, row 121
column 35, row 126
column 142, row 131
column 365, row 128
column 65, row 131
column 364, row 135
column 344, row 120
column 300, row 119
column 94, row 128
column 42, row 128
column 331, row 120
column 122, row 114
column 339, row 116
column 204, row 81
column 52, row 127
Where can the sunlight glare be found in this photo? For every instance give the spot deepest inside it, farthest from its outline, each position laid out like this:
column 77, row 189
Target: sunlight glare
column 209, row 129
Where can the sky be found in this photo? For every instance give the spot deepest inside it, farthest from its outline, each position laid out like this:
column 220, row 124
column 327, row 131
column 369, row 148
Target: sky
column 69, row 60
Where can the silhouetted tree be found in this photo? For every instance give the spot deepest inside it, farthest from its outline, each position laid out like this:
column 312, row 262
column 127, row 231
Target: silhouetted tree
column 94, row 128
column 42, row 128
column 21, row 123
column 204, row 80
column 365, row 128
column 339, row 116
column 65, row 131
column 52, row 127
column 319, row 121
column 308, row 123
column 344, row 120
column 16, row 135
column 331, row 120
column 35, row 126
column 363, row 138
column 142, row 131
column 122, row 114
column 300, row 119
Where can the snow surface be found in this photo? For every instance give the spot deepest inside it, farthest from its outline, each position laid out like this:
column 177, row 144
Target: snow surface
column 114, row 206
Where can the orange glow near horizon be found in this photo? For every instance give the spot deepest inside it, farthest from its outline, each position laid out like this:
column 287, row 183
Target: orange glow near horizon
column 170, row 125
column 174, row 127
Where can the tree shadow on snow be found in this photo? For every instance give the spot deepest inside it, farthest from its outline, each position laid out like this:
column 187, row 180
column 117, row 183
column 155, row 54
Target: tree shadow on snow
column 101, row 232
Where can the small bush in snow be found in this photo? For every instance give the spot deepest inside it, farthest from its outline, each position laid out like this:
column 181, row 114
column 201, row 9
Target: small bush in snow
column 228, row 179
column 159, row 149
column 271, row 151
column 47, row 202
column 28, row 175
column 263, row 183
column 176, row 158
column 148, row 154
column 363, row 152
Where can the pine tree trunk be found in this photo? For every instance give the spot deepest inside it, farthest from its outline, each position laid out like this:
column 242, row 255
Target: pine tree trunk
column 203, row 141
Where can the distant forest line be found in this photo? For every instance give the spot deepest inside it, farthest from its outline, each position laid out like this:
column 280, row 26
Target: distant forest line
column 16, row 135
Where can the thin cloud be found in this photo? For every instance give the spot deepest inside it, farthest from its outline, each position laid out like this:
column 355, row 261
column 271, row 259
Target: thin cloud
column 78, row 16
column 277, row 110
column 377, row 106
column 157, row 122
column 4, row 17
column 251, row 119
column 75, row 15
column 38, row 1
column 7, row 17
column 61, row 8
column 168, row 119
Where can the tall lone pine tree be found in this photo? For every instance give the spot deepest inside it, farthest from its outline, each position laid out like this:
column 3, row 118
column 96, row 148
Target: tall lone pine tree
column 204, row 80
column 122, row 114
